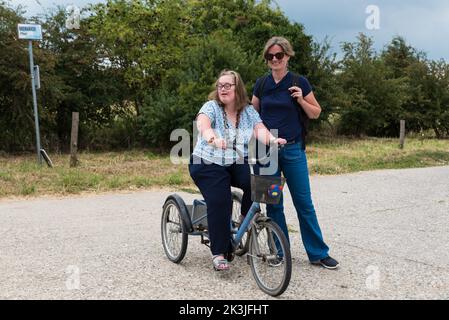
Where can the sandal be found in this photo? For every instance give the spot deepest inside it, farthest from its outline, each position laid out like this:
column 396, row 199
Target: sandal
column 220, row 263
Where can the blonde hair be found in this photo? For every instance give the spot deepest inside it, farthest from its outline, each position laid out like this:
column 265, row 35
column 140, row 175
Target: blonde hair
column 241, row 97
column 282, row 42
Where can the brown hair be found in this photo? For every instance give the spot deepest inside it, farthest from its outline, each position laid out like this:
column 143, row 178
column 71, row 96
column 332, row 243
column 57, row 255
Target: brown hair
column 241, row 97
column 282, row 42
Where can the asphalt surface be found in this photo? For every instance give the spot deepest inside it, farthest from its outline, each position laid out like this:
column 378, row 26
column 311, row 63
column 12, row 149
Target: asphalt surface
column 389, row 229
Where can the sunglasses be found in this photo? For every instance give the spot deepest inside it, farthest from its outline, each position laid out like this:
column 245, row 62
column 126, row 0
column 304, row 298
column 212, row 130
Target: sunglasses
column 279, row 55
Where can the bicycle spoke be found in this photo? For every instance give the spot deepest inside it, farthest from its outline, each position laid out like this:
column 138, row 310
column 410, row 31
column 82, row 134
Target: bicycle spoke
column 172, row 231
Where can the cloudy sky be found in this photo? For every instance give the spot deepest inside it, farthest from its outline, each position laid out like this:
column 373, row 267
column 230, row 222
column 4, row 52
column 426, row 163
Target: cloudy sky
column 423, row 23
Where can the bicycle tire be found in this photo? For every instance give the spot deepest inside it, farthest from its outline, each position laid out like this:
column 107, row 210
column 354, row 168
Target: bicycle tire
column 173, row 225
column 259, row 256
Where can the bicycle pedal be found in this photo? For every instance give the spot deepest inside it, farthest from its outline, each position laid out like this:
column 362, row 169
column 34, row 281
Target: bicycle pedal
column 263, row 219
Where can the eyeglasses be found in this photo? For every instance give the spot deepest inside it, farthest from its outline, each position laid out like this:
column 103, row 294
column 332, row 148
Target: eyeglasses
column 226, row 86
column 279, row 55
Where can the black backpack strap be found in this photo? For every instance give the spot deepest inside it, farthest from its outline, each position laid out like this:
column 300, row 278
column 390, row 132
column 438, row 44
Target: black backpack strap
column 261, row 86
column 295, row 79
column 303, row 117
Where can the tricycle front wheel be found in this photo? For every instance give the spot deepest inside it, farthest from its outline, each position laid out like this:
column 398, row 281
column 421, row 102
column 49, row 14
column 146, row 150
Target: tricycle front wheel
column 269, row 257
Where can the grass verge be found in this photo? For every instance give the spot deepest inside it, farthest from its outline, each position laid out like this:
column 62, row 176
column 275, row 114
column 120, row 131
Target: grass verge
column 140, row 169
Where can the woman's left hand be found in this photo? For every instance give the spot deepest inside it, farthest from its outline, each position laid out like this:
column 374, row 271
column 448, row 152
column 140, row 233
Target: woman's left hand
column 296, row 93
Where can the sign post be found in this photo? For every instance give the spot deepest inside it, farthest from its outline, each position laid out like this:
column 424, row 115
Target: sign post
column 33, row 32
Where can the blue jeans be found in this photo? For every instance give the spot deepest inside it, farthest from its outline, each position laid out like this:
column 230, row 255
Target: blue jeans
column 293, row 164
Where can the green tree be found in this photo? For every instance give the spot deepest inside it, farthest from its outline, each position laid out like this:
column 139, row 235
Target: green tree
column 251, row 23
column 16, row 108
column 373, row 98
column 176, row 103
column 323, row 75
column 77, row 79
column 406, row 63
column 141, row 39
column 221, row 35
column 426, row 104
column 436, row 112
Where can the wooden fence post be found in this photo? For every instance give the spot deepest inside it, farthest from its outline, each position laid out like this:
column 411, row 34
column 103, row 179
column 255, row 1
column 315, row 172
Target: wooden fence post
column 402, row 135
column 74, row 140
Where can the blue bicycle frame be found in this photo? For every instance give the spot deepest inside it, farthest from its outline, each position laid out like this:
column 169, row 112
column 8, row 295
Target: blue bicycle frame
column 255, row 208
column 253, row 211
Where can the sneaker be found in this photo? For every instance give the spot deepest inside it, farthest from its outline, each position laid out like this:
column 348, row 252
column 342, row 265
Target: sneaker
column 328, row 263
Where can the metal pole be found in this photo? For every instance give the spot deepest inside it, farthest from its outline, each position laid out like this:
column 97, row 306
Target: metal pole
column 36, row 117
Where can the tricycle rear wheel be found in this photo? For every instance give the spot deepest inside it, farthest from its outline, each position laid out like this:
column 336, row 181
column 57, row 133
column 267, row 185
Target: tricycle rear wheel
column 173, row 230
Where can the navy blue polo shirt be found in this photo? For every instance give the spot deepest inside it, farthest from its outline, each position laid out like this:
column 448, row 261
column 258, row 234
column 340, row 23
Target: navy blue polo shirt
column 278, row 109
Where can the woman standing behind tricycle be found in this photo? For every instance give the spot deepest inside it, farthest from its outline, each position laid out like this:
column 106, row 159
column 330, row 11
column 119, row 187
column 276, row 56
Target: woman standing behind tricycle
column 285, row 102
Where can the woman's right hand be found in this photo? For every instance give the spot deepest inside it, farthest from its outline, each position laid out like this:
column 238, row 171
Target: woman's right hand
column 219, row 143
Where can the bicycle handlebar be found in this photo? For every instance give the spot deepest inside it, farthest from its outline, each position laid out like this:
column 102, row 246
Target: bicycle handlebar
column 252, row 161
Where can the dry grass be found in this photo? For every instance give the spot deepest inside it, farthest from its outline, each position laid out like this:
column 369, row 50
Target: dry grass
column 96, row 172
column 339, row 156
column 140, row 169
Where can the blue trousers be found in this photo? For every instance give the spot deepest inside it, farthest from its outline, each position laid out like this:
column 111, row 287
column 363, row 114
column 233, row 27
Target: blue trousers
column 215, row 183
column 292, row 162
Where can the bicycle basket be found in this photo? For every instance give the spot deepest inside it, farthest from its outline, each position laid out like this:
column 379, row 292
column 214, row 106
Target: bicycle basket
column 261, row 186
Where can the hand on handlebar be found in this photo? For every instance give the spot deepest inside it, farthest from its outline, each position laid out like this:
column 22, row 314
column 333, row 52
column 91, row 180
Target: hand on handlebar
column 220, row 143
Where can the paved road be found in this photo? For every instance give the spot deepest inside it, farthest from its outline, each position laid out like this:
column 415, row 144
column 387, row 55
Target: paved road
column 389, row 229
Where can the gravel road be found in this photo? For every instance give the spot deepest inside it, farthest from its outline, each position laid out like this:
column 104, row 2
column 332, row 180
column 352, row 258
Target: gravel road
column 389, row 229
